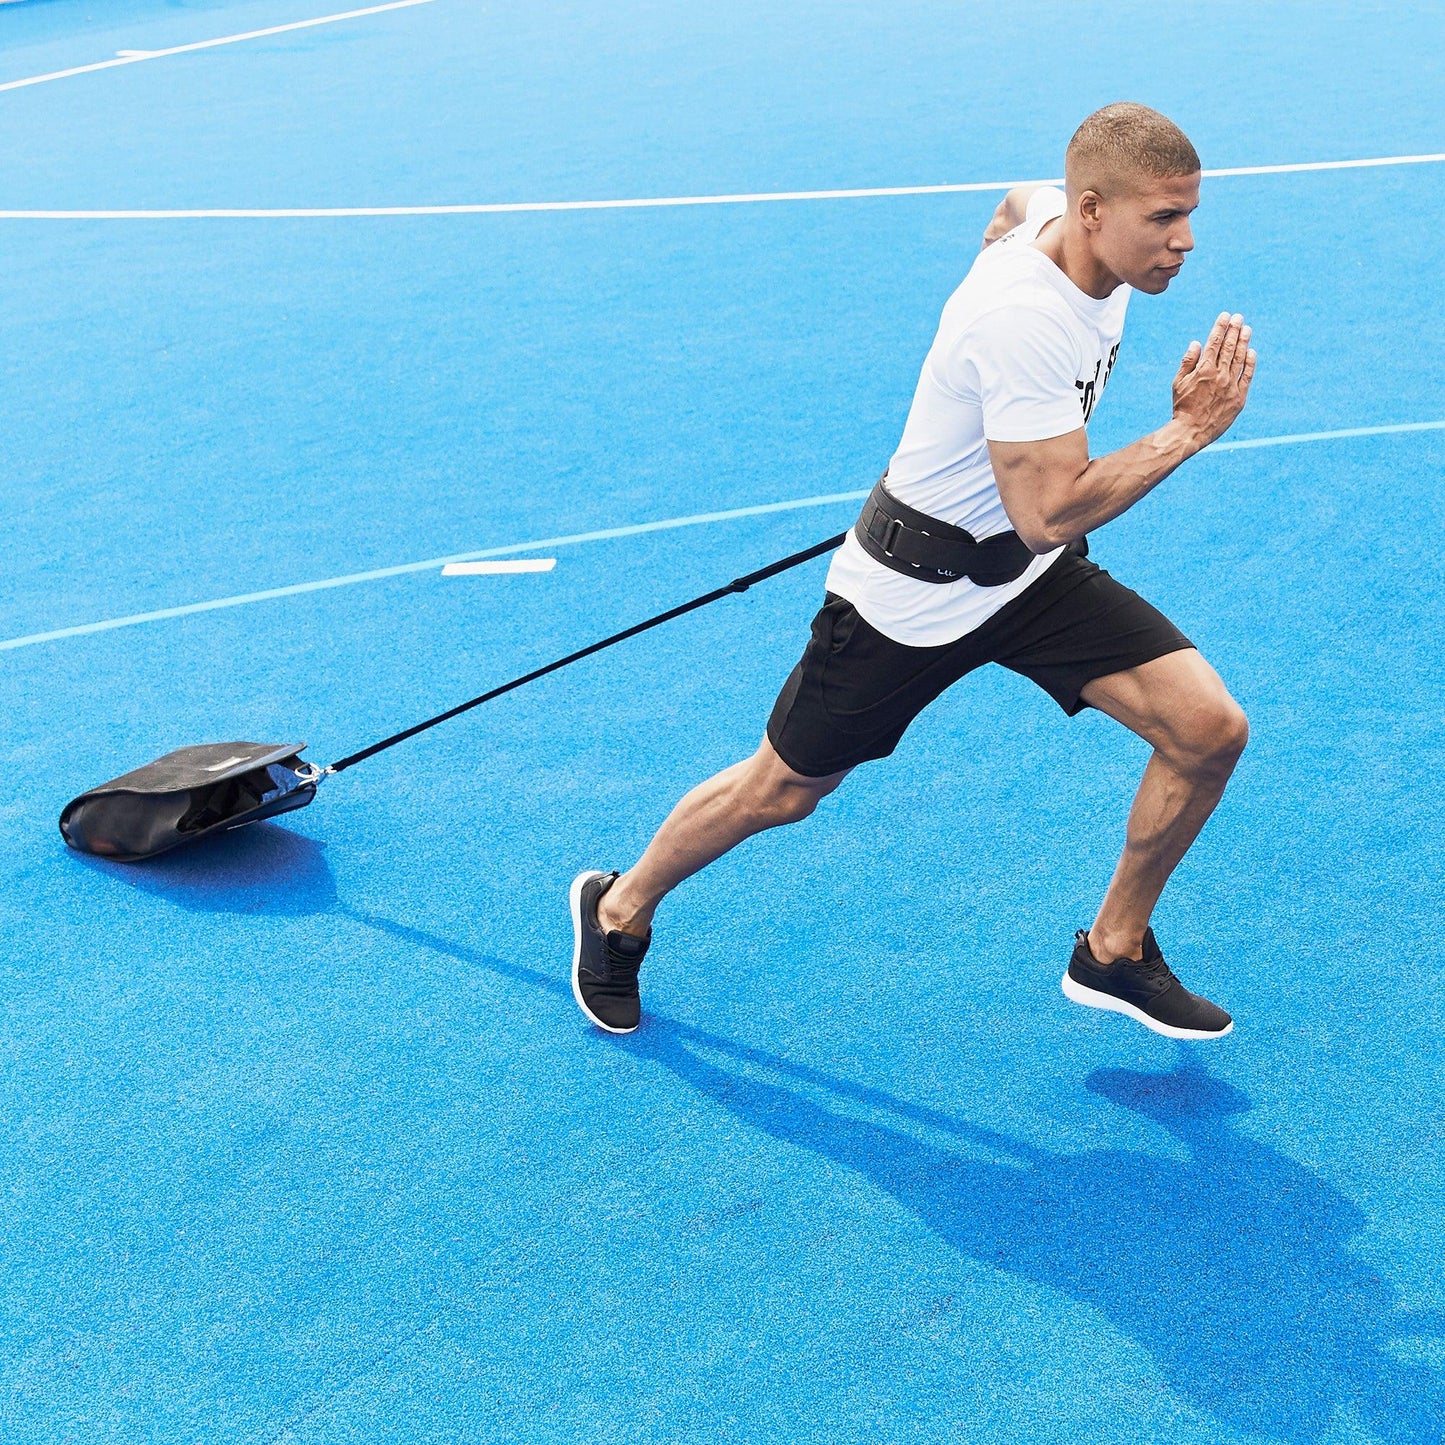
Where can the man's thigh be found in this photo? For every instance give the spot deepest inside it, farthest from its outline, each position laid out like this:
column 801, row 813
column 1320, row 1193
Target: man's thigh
column 855, row 692
column 1174, row 702
column 1075, row 625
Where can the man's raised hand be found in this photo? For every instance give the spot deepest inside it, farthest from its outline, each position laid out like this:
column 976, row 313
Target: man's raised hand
column 1212, row 383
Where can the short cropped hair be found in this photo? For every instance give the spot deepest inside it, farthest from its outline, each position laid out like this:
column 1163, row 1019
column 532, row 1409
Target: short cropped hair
column 1126, row 139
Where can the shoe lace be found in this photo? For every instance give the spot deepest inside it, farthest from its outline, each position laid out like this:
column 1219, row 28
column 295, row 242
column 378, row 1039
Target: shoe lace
column 1155, row 969
column 621, row 969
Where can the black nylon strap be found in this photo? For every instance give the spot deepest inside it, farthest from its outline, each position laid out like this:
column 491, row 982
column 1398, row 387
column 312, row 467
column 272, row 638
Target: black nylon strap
column 928, row 550
column 740, row 584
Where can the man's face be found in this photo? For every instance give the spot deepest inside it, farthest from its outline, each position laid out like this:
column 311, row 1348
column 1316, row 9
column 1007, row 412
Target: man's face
column 1142, row 230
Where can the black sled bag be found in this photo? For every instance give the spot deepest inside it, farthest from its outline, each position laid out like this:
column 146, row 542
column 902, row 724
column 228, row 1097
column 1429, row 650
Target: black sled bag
column 186, row 795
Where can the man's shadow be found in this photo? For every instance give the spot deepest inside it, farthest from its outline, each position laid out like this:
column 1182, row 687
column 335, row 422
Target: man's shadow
column 1232, row 1267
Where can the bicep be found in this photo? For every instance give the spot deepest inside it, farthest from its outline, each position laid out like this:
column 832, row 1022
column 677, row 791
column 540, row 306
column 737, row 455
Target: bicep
column 1034, row 477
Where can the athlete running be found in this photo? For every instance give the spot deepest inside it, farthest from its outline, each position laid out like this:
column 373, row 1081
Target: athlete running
column 972, row 549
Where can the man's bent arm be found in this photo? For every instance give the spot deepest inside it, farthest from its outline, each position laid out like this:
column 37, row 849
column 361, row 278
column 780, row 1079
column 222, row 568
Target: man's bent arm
column 1053, row 493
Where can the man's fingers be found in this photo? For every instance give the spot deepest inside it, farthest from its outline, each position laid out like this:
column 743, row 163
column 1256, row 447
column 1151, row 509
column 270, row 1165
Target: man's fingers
column 1251, row 358
column 1216, row 339
column 1241, row 346
column 1230, row 351
column 1191, row 360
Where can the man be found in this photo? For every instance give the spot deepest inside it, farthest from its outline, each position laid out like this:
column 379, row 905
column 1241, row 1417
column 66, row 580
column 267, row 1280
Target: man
column 972, row 550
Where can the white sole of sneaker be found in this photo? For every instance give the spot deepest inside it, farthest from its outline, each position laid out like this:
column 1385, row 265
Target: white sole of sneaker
column 574, row 898
column 1092, row 998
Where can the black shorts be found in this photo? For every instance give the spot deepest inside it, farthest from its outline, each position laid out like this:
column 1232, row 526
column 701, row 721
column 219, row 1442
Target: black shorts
column 855, row 691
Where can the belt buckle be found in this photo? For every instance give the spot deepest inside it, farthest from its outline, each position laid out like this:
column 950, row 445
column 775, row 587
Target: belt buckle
column 890, row 535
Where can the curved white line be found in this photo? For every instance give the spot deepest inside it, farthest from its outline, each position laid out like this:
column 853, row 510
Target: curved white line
column 642, row 203
column 134, row 57
column 637, row 529
column 1420, row 160
column 499, row 208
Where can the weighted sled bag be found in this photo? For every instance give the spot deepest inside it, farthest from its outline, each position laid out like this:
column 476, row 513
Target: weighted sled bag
column 186, row 795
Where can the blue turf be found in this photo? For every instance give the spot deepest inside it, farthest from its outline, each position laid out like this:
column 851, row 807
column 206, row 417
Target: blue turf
column 305, row 1139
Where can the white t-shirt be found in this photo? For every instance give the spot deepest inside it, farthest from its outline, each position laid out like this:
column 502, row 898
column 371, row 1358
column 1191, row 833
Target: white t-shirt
column 1021, row 355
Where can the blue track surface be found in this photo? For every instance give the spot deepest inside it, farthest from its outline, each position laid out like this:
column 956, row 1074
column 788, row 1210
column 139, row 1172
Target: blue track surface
column 304, row 1140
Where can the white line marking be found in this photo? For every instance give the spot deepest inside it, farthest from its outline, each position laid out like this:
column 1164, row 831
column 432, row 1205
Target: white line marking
column 607, row 534
column 1421, row 160
column 499, row 208
column 492, row 569
column 431, row 564
column 742, row 198
column 134, row 57
column 1328, row 436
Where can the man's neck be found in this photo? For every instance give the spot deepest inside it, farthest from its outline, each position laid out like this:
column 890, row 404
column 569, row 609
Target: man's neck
column 1069, row 250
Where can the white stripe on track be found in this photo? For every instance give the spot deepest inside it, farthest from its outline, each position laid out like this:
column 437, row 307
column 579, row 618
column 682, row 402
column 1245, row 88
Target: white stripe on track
column 1421, row 160
column 607, row 534
column 1328, row 436
column 643, row 203
column 135, row 57
column 501, row 208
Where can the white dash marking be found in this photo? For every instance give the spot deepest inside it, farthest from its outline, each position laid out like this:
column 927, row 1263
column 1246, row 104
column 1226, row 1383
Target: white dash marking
column 491, row 569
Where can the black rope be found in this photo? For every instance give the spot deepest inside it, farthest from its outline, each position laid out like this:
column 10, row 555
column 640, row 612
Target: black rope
column 740, row 584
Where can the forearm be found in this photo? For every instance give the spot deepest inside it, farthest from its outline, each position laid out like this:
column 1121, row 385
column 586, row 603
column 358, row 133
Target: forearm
column 1053, row 493
column 1111, row 484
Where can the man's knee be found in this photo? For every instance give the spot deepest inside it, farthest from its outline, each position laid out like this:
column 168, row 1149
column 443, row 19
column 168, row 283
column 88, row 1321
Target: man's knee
column 788, row 799
column 1211, row 736
column 791, row 803
column 778, row 794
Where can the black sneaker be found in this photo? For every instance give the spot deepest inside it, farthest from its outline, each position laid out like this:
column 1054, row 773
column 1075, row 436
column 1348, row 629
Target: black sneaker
column 604, row 966
column 1145, row 989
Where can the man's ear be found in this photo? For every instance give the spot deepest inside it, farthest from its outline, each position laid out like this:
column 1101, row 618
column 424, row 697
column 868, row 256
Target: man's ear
column 1090, row 204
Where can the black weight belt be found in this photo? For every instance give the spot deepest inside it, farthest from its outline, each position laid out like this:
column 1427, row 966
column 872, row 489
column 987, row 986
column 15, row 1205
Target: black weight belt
column 922, row 547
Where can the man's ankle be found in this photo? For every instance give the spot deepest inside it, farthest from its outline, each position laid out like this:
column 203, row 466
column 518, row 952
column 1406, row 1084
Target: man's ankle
column 614, row 919
column 1106, row 948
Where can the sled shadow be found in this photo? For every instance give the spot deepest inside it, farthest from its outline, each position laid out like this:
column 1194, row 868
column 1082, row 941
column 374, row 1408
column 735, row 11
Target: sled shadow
column 258, row 869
